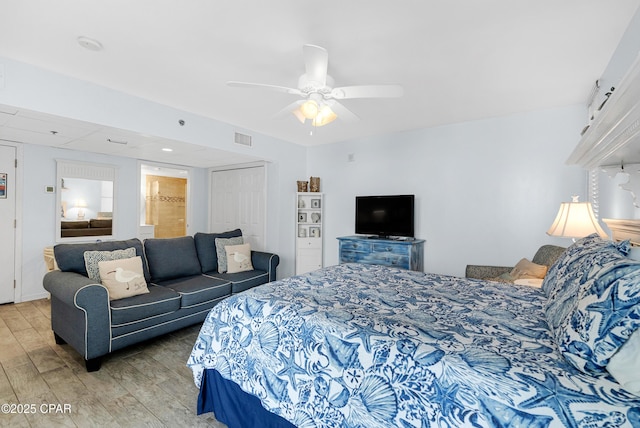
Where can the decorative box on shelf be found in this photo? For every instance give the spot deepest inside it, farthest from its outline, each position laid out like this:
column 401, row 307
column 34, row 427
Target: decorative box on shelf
column 405, row 253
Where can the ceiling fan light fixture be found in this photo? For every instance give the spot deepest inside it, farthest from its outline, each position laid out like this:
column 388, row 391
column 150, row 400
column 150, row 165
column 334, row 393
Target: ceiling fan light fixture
column 324, row 117
column 310, row 109
column 298, row 114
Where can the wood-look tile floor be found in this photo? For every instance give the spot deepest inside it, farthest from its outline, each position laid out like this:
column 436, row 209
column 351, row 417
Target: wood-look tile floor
column 144, row 385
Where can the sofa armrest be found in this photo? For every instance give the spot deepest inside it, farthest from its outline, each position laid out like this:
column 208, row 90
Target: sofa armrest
column 265, row 261
column 80, row 312
column 485, row 272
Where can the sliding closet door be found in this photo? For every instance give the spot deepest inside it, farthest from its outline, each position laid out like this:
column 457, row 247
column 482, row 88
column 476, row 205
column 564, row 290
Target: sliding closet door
column 238, row 201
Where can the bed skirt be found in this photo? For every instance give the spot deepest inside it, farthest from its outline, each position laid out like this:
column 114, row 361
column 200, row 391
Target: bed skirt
column 234, row 407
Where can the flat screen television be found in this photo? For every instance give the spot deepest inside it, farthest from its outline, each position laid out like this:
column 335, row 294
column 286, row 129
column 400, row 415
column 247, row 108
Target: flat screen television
column 385, row 216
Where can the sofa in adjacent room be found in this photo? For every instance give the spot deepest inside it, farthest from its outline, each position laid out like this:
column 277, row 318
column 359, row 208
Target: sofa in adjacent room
column 537, row 268
column 92, row 227
column 112, row 294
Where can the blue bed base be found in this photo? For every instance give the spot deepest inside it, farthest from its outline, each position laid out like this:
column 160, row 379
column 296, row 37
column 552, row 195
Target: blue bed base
column 234, row 407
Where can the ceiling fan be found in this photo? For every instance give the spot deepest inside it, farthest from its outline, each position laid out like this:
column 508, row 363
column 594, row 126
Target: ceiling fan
column 319, row 98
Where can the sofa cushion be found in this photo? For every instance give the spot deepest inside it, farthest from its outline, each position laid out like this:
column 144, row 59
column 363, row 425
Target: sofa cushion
column 158, row 301
column 206, row 247
column 93, row 258
column 171, row 258
column 100, row 223
column 70, row 257
column 242, row 280
column 81, row 224
column 221, row 250
column 198, row 289
column 123, row 278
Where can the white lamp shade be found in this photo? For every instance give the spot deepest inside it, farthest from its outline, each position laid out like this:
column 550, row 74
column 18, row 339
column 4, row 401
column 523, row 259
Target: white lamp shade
column 575, row 220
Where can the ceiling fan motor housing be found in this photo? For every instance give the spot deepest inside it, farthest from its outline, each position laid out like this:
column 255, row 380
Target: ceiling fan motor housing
column 309, row 87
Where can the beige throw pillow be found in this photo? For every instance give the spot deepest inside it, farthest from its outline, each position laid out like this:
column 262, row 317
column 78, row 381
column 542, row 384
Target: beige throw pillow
column 123, row 278
column 238, row 258
column 528, row 269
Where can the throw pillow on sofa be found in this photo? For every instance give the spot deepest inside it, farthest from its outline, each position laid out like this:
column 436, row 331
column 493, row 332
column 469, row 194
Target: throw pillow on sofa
column 206, row 247
column 92, row 258
column 527, row 269
column 524, row 269
column 123, row 278
column 238, row 258
column 221, row 243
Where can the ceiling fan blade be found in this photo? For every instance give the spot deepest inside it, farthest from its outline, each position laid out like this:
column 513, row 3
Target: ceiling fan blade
column 367, row 91
column 316, row 62
column 284, row 89
column 343, row 113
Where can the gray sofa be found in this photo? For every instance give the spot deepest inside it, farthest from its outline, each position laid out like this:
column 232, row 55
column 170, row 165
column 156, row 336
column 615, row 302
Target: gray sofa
column 183, row 284
column 546, row 255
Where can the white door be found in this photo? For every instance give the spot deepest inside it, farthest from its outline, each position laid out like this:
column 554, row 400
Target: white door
column 238, row 201
column 7, row 222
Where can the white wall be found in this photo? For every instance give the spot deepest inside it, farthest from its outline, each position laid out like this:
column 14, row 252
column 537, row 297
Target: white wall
column 39, row 216
column 36, row 89
column 486, row 191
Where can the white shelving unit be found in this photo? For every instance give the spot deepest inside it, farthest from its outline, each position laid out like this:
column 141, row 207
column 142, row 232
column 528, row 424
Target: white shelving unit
column 309, row 231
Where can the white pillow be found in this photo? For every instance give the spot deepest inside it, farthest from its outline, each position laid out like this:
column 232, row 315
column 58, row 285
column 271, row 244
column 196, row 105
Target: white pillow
column 624, row 366
column 238, row 258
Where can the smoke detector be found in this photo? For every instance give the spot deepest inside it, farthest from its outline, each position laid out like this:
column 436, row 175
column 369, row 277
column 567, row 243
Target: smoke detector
column 88, row 43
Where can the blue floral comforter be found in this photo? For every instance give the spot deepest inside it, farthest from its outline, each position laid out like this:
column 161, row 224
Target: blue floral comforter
column 369, row 346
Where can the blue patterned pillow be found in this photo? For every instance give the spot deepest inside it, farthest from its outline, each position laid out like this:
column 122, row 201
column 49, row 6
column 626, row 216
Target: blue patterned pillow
column 606, row 315
column 564, row 269
column 592, row 308
column 573, row 270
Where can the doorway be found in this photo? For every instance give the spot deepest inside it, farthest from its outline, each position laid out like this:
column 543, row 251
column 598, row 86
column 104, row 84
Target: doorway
column 164, row 200
column 8, row 170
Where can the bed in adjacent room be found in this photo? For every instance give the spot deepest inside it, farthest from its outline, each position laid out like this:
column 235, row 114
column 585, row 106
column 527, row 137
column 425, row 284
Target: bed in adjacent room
column 370, row 346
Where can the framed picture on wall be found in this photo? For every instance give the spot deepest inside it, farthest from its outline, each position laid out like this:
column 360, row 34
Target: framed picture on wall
column 3, row 185
column 314, row 232
column 315, row 203
column 302, row 217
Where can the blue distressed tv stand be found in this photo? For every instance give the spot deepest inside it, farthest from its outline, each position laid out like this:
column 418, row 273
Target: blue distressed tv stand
column 402, row 253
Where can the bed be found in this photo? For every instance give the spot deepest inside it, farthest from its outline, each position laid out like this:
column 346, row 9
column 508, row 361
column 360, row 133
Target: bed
column 357, row 345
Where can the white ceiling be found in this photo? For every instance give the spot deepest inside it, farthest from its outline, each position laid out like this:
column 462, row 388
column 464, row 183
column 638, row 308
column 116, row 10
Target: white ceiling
column 19, row 125
column 458, row 60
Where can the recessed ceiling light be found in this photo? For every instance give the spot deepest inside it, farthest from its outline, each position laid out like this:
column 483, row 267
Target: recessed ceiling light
column 166, row 149
column 91, row 44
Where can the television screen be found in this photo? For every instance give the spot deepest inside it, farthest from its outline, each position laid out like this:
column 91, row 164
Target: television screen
column 385, row 216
